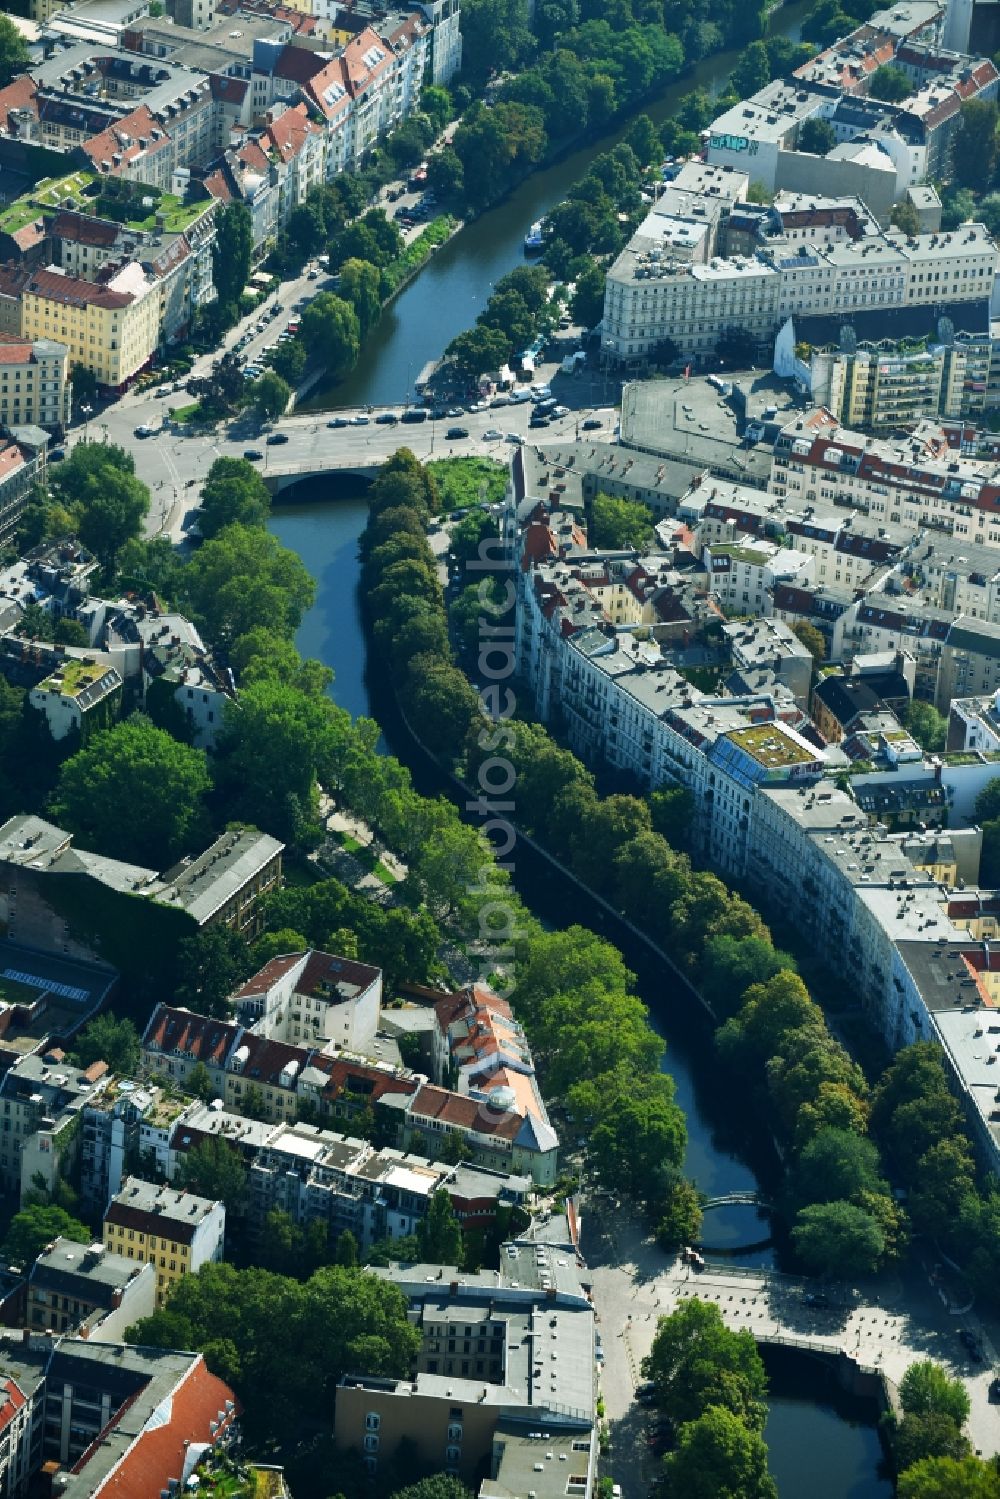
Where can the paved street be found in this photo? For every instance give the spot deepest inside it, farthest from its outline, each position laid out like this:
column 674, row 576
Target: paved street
column 173, row 465
column 884, row 1325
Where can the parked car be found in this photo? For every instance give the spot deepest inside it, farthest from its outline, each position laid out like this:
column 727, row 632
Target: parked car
column 144, row 430
column 276, row 439
column 414, row 414
column 514, row 437
column 252, row 455
column 492, row 434
column 456, row 434
column 339, row 421
column 560, row 411
column 592, row 424
column 437, row 413
column 539, row 421
column 164, row 390
column 454, row 411
column 387, row 419
column 359, row 421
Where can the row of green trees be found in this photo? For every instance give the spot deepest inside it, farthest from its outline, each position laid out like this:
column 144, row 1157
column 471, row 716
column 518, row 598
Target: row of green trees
column 594, row 1045
column 498, row 36
column 771, row 1033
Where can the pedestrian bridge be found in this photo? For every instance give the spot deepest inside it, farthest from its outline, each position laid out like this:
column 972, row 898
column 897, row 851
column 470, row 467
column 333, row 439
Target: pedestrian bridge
column 738, row 1199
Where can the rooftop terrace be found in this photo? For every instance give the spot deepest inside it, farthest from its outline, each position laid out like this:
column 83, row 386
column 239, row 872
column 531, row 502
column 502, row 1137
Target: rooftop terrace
column 766, row 744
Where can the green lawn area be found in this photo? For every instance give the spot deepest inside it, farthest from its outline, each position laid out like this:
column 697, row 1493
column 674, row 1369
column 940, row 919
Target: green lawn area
column 187, row 413
column 13, row 992
column 49, row 193
column 178, row 216
column 463, row 482
column 365, row 857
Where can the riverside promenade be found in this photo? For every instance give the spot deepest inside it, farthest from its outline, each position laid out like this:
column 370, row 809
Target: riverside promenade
column 880, row 1326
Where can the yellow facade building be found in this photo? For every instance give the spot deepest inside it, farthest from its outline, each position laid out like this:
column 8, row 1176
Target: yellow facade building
column 112, row 329
column 175, row 1232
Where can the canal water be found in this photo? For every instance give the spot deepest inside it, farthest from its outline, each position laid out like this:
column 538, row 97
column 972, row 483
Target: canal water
column 453, row 288
column 807, row 1417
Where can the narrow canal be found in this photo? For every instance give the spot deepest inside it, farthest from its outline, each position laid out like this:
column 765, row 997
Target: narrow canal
column 452, row 290
column 807, row 1416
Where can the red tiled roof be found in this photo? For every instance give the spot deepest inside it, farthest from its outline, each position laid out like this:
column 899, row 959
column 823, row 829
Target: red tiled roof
column 135, row 127
column 159, row 1451
column 266, row 1060
column 331, row 80
column 217, row 184
column 253, row 156
column 193, row 1035
column 14, row 349
column 11, row 459
column 12, row 1400
column 290, row 131
column 456, row 1110
column 340, row 1070
column 322, row 968
column 29, row 235
column 17, row 95
column 84, row 230
column 357, row 73
column 229, row 90
column 73, row 291
column 299, row 64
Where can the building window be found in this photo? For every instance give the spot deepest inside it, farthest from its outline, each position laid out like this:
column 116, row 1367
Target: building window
column 372, row 1421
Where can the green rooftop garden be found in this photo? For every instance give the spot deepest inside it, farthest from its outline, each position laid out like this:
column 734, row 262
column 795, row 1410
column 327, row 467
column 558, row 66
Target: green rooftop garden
column 126, row 203
column 49, row 194
column 769, row 746
column 72, row 676
column 740, row 553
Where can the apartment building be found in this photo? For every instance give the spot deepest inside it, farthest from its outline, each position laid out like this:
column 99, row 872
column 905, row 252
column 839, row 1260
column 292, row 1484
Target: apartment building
column 86, row 1417
column 176, row 1041
column 34, row 384
column 476, row 1400
column 653, row 295
column 112, row 329
column 882, row 389
column 22, row 465
column 917, row 479
column 224, row 885
column 313, row 999
column 85, row 1291
column 80, row 694
column 175, row 1232
column 316, row 1175
column 42, row 1099
column 110, row 1138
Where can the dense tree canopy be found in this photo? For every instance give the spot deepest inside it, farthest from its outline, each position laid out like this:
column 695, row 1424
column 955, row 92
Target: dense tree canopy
column 697, row 1363
column 109, row 1039
column 13, row 51
column 34, row 1227
column 718, row 1457
column 244, row 579
column 213, row 1169
column 135, row 793
column 233, row 493
column 284, row 1344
